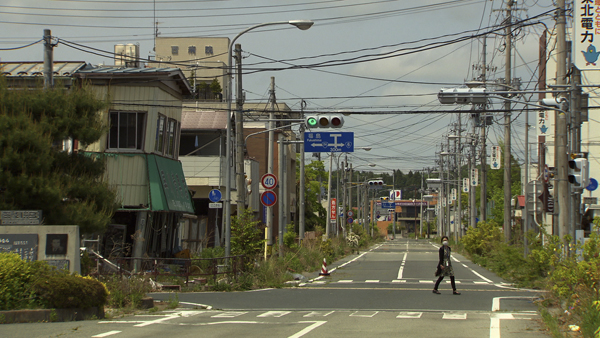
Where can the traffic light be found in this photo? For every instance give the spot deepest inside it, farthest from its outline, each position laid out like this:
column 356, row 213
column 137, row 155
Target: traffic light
column 375, row 184
column 579, row 172
column 384, row 199
column 324, row 121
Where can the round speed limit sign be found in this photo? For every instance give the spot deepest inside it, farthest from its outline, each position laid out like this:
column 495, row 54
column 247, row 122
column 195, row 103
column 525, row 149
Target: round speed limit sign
column 268, row 181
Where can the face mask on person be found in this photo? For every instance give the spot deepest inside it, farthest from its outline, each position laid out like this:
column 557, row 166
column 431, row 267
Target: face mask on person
column 445, row 243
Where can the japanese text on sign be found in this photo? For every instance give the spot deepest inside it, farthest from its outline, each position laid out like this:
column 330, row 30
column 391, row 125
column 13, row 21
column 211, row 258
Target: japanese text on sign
column 586, row 26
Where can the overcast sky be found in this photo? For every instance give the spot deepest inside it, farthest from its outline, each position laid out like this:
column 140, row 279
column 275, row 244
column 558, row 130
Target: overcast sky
column 365, row 42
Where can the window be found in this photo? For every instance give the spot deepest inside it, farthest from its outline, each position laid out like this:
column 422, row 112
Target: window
column 192, row 50
column 167, row 136
column 160, row 134
column 208, row 50
column 126, row 130
column 171, row 137
column 174, row 50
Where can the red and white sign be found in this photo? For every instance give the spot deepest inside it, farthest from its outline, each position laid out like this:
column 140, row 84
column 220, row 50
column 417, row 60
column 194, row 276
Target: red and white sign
column 333, row 208
column 396, row 195
column 269, row 181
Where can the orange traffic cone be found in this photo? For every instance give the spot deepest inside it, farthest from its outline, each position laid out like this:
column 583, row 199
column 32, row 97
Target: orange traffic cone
column 324, row 271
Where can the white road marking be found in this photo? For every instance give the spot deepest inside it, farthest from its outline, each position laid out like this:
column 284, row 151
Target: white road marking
column 372, row 281
column 368, row 314
column 307, row 330
column 178, row 314
column 409, row 315
column 208, row 307
column 495, row 323
column 401, row 271
column 456, row 281
column 345, row 281
column 229, row 314
column 318, row 314
column 106, row 334
column 275, row 314
column 399, row 281
column 426, row 282
column 454, row 316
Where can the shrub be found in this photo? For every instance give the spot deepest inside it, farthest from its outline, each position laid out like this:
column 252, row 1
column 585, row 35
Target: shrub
column 247, row 238
column 483, row 239
column 63, row 291
column 16, row 279
column 127, row 291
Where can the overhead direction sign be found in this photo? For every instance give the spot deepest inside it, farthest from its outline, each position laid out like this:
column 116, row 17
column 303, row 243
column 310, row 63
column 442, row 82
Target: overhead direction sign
column 327, row 142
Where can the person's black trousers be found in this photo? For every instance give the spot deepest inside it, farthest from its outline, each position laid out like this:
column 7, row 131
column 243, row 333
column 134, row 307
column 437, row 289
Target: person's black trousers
column 440, row 280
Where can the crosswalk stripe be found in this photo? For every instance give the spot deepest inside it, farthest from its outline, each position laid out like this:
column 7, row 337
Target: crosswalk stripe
column 275, row 314
column 318, row 314
column 399, row 281
column 368, row 314
column 229, row 314
column 426, row 282
column 372, row 281
column 345, row 281
column 454, row 316
column 409, row 315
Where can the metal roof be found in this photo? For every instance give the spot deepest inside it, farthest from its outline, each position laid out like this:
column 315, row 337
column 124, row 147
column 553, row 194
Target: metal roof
column 203, row 120
column 126, row 70
column 21, row 69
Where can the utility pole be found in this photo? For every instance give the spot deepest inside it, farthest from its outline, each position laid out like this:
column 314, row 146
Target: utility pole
column 239, row 134
column 507, row 118
column 458, row 180
column 270, row 160
column 281, row 191
column 483, row 176
column 576, row 119
column 301, row 218
column 560, row 136
column 344, row 201
column 48, row 59
column 328, row 217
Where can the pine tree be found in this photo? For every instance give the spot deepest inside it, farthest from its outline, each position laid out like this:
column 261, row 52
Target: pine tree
column 35, row 174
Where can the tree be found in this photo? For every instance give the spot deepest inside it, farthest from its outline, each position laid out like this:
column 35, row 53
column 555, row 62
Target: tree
column 314, row 212
column 35, row 174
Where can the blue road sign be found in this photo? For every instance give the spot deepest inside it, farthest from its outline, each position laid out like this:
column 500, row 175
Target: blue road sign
column 350, row 220
column 593, row 185
column 327, row 142
column 214, row 195
column 268, row 198
column 388, row 205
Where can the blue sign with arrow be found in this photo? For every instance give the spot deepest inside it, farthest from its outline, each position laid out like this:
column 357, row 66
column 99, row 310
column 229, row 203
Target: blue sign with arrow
column 593, row 184
column 327, row 142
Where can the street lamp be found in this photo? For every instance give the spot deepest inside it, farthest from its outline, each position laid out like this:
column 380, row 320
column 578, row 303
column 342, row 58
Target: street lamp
column 300, row 24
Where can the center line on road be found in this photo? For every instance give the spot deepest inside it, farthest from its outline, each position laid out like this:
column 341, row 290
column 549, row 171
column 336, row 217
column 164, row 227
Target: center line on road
column 401, row 271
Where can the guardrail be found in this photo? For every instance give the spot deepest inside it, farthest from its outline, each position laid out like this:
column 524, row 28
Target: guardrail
column 181, row 267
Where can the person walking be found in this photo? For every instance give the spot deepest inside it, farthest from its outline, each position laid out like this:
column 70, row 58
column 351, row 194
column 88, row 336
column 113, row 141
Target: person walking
column 444, row 267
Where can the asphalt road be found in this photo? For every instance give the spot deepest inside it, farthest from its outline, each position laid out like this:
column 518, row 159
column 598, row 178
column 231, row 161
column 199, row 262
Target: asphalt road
column 382, row 292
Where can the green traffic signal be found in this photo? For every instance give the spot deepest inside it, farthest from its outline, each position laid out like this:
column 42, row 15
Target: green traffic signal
column 311, row 121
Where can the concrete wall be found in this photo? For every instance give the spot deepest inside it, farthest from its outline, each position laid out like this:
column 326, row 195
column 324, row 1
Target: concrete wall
column 67, row 246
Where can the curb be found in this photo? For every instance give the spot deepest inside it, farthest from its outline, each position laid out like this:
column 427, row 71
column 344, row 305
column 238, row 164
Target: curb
column 50, row 315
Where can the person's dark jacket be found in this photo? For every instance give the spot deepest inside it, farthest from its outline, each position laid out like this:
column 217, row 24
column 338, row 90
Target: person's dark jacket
column 438, row 271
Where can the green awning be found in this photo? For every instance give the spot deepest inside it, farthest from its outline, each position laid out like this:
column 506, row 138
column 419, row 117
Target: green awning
column 168, row 190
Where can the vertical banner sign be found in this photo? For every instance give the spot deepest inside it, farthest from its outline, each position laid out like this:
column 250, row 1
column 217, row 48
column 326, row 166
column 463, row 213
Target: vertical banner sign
column 496, row 157
column 333, row 208
column 454, row 195
column 542, row 123
column 586, row 25
column 474, row 177
column 465, row 186
column 444, row 202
